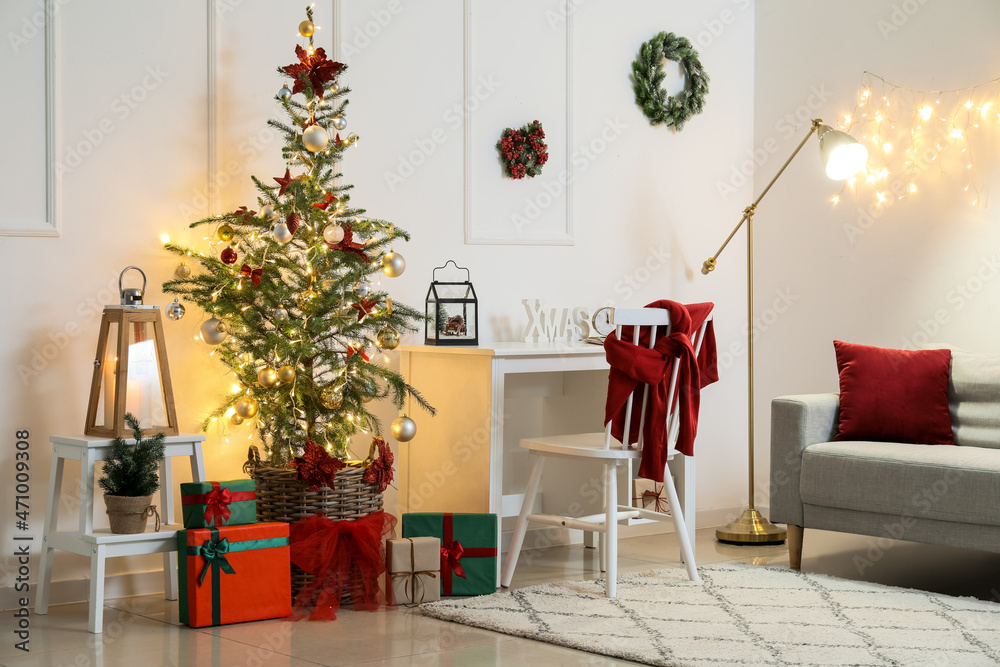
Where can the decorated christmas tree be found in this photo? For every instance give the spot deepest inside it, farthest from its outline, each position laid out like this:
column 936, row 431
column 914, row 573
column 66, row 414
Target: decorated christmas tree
column 290, row 293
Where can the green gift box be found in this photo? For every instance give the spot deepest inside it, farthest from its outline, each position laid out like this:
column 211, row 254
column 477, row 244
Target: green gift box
column 468, row 547
column 217, row 504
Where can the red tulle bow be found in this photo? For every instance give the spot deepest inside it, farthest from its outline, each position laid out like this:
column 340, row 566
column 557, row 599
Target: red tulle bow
column 347, row 244
column 217, row 505
column 451, row 558
column 340, row 554
column 360, row 351
column 254, row 274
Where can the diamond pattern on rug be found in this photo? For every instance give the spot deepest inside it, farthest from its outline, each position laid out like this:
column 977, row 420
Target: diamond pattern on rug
column 743, row 615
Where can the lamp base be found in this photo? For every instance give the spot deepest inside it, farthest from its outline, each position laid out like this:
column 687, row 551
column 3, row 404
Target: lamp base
column 751, row 528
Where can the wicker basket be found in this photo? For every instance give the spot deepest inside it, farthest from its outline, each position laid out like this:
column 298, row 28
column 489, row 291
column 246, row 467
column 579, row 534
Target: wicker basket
column 281, row 497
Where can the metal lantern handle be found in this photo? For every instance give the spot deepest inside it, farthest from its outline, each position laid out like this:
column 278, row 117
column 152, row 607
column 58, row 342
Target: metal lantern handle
column 468, row 275
column 131, row 298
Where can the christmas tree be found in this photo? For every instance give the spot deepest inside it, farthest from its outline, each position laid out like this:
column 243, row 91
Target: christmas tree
column 288, row 289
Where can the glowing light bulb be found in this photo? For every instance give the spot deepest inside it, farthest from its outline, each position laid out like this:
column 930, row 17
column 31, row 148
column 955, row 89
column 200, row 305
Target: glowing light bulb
column 956, row 133
column 913, row 187
column 887, row 147
column 836, row 200
column 165, row 238
column 925, row 113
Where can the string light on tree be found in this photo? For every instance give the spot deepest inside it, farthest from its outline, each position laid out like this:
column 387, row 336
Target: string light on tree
column 287, row 303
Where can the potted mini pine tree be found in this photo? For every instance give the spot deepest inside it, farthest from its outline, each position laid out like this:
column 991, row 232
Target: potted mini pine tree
column 131, row 478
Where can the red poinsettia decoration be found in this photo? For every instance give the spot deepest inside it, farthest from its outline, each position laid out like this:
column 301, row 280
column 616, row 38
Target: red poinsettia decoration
column 316, row 467
column 523, row 152
column 380, row 471
column 347, row 244
column 314, row 68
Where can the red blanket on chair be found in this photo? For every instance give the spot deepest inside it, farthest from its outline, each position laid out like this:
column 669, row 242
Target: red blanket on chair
column 635, row 365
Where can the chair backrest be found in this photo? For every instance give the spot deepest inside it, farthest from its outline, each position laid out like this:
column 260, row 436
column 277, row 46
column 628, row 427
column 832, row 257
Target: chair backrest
column 657, row 322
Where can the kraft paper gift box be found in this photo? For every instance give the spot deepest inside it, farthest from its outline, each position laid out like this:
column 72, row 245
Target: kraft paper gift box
column 234, row 574
column 414, row 565
column 468, row 547
column 650, row 495
column 216, row 504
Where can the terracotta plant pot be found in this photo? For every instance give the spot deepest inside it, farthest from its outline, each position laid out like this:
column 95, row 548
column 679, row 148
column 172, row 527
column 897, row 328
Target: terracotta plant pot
column 128, row 514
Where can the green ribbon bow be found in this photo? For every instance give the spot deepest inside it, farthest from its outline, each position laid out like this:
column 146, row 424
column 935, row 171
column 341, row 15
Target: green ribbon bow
column 214, row 552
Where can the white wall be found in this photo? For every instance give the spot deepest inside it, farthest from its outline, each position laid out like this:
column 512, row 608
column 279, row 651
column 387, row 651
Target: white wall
column 648, row 192
column 891, row 282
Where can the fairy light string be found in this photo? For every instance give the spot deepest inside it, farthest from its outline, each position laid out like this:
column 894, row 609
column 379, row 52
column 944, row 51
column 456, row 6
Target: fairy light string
column 911, row 132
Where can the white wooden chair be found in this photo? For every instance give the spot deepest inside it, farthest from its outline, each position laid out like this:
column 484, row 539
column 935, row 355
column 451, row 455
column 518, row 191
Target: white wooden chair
column 603, row 449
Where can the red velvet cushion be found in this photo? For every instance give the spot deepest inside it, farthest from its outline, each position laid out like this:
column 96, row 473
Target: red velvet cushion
column 894, row 395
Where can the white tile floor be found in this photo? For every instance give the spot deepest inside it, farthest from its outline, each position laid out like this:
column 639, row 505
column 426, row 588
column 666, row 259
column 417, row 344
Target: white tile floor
column 144, row 631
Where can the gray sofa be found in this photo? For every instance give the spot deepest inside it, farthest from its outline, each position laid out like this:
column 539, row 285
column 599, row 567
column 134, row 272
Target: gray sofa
column 940, row 494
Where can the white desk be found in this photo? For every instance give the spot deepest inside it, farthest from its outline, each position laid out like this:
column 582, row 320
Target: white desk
column 456, row 461
column 102, row 544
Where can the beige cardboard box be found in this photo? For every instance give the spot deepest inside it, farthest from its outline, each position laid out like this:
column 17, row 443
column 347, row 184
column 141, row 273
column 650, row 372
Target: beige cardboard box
column 650, row 495
column 414, row 565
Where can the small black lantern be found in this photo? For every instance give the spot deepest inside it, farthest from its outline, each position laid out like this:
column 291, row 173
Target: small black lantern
column 452, row 311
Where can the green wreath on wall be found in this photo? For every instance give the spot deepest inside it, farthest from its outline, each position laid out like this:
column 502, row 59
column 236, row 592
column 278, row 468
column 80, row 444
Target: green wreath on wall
column 647, row 70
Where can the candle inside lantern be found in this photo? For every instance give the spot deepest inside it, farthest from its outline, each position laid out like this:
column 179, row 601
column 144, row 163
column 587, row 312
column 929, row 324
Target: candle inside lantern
column 142, row 387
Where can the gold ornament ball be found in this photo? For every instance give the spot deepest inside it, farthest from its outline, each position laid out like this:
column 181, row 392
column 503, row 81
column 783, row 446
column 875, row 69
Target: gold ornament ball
column 403, row 429
column 307, row 29
column 306, row 300
column 247, row 407
column 387, row 338
column 367, row 398
column 393, row 264
column 225, row 232
column 315, row 138
column 235, row 420
column 286, row 373
column 267, row 377
column 183, row 271
column 331, row 398
column 213, row 331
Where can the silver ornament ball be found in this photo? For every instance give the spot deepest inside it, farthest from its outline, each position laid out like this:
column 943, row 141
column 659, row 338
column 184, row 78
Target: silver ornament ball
column 403, row 429
column 393, row 264
column 175, row 310
column 282, row 234
column 362, row 288
column 213, row 331
column 284, row 93
column 339, row 121
column 333, row 233
column 280, row 314
column 315, row 138
column 268, row 213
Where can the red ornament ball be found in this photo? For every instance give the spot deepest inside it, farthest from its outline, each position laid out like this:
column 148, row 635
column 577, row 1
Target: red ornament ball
column 228, row 256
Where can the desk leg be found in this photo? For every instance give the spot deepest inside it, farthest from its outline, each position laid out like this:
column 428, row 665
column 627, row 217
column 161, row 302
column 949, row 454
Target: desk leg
column 497, row 418
column 97, row 589
column 49, row 528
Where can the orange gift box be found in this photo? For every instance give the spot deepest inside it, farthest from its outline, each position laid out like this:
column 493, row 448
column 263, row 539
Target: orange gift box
column 234, row 574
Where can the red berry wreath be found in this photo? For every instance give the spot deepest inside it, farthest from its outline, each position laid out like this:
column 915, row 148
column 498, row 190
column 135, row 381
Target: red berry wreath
column 523, row 152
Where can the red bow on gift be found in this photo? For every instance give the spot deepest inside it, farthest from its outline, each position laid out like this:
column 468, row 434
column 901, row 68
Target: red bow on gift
column 660, row 503
column 254, row 274
column 451, row 558
column 217, row 505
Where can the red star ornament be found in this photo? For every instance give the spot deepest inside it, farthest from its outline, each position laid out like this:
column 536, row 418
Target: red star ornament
column 284, row 181
column 364, row 307
column 314, row 68
column 327, row 200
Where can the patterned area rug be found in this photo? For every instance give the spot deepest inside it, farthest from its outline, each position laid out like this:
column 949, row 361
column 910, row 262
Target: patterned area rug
column 743, row 615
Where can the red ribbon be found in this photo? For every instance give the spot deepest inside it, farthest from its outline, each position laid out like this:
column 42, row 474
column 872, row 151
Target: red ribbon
column 360, row 351
column 340, row 554
column 656, row 496
column 218, row 505
column 452, row 553
column 254, row 274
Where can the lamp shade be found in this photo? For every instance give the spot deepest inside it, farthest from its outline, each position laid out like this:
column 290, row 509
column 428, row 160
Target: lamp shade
column 842, row 155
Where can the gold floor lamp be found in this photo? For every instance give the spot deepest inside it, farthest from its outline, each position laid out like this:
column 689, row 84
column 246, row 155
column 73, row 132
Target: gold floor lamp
column 843, row 156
